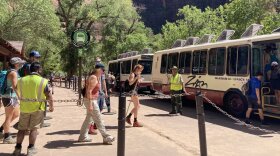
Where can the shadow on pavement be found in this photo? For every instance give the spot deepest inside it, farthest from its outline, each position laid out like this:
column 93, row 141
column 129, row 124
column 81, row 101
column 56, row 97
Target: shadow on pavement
column 211, row 115
column 115, row 127
column 65, row 132
column 5, row 154
column 60, row 144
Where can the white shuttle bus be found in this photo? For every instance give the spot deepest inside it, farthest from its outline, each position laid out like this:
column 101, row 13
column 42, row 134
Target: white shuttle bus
column 221, row 69
column 125, row 64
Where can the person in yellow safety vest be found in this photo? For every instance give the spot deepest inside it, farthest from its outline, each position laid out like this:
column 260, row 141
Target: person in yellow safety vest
column 32, row 86
column 176, row 87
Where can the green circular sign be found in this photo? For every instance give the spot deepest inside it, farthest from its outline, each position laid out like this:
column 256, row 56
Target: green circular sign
column 80, row 38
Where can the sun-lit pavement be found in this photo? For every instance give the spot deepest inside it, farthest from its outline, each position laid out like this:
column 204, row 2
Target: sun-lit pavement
column 161, row 134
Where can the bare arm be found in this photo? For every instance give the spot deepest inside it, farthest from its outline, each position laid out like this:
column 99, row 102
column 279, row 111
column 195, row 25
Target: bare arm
column 50, row 98
column 258, row 95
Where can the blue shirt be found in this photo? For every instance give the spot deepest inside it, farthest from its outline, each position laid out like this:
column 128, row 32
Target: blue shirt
column 254, row 84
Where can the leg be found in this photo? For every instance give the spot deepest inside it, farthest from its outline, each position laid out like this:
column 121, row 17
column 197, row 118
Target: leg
column 261, row 114
column 178, row 102
column 248, row 113
column 20, row 137
column 173, row 103
column 136, row 106
column 277, row 96
column 9, row 112
column 96, row 116
column 85, row 126
column 33, row 136
column 107, row 99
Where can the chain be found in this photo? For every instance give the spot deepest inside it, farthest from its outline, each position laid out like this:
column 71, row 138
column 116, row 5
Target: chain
column 40, row 100
column 237, row 120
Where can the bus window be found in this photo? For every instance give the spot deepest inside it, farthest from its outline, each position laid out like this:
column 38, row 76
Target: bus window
column 134, row 63
column 172, row 60
column 238, row 60
column 163, row 66
column 126, row 67
column 216, row 61
column 257, row 61
column 185, row 62
column 199, row 62
column 147, row 66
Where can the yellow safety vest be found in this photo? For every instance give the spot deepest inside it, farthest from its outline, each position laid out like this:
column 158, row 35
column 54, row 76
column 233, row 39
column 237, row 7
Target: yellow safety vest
column 175, row 83
column 32, row 87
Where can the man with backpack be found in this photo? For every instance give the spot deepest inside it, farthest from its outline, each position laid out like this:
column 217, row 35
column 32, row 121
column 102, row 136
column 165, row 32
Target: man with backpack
column 34, row 56
column 254, row 98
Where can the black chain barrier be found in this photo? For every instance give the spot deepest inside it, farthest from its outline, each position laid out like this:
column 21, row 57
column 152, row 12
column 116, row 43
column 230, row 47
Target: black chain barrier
column 80, row 104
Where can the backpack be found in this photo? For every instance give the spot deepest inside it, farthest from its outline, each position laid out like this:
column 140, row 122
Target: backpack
column 127, row 87
column 3, row 79
column 24, row 70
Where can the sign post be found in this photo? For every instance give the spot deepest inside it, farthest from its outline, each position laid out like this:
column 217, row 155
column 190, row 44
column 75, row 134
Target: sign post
column 80, row 39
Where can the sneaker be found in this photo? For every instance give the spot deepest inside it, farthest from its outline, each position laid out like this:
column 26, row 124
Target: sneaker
column 173, row 113
column 137, row 124
column 1, row 136
column 92, row 132
column 108, row 140
column 17, row 152
column 180, row 112
column 85, row 140
column 264, row 123
column 128, row 120
column 248, row 122
column 31, row 151
column 9, row 140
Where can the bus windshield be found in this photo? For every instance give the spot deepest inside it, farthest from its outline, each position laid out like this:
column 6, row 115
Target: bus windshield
column 147, row 66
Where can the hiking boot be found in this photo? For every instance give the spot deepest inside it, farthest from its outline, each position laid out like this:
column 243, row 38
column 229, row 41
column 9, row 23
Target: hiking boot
column 17, row 152
column 128, row 120
column 9, row 140
column 173, row 112
column 31, row 151
column 108, row 140
column 85, row 140
column 137, row 124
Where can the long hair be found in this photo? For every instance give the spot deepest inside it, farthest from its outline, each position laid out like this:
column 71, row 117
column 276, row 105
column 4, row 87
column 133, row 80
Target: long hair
column 138, row 66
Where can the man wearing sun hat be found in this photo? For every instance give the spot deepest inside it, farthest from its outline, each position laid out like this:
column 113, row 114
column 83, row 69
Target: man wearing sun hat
column 176, row 87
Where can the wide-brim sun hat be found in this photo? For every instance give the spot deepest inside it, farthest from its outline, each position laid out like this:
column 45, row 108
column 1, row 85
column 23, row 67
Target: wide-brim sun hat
column 17, row 60
column 274, row 63
column 174, row 68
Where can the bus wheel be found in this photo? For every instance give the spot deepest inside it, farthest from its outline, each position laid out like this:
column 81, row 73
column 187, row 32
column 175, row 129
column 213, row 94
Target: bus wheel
column 235, row 104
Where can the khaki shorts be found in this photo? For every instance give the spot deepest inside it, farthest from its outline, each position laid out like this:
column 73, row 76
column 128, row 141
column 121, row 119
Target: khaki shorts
column 30, row 121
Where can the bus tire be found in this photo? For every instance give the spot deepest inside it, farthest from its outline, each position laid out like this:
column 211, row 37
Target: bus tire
column 235, row 104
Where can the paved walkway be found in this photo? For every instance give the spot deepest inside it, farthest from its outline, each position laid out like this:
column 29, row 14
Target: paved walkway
column 162, row 135
column 61, row 138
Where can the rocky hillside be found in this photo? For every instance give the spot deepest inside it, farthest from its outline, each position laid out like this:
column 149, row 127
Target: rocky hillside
column 155, row 13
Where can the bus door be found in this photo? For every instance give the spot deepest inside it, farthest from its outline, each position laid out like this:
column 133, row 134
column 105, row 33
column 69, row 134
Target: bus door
column 262, row 56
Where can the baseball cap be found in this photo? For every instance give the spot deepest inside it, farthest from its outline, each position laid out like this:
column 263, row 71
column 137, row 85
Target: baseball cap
column 274, row 63
column 34, row 53
column 17, row 60
column 99, row 65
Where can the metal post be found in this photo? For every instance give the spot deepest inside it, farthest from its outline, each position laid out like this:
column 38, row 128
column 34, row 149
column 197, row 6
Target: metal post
column 60, row 81
column 121, row 124
column 201, row 123
column 80, row 80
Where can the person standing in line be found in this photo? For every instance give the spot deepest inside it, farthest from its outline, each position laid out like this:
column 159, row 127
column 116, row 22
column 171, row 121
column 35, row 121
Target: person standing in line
column 134, row 79
column 275, row 81
column 110, row 79
column 11, row 104
column 34, row 56
column 93, row 111
column 254, row 98
column 32, row 86
column 176, row 86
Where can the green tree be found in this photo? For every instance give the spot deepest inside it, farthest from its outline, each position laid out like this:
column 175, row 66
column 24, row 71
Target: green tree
column 35, row 23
